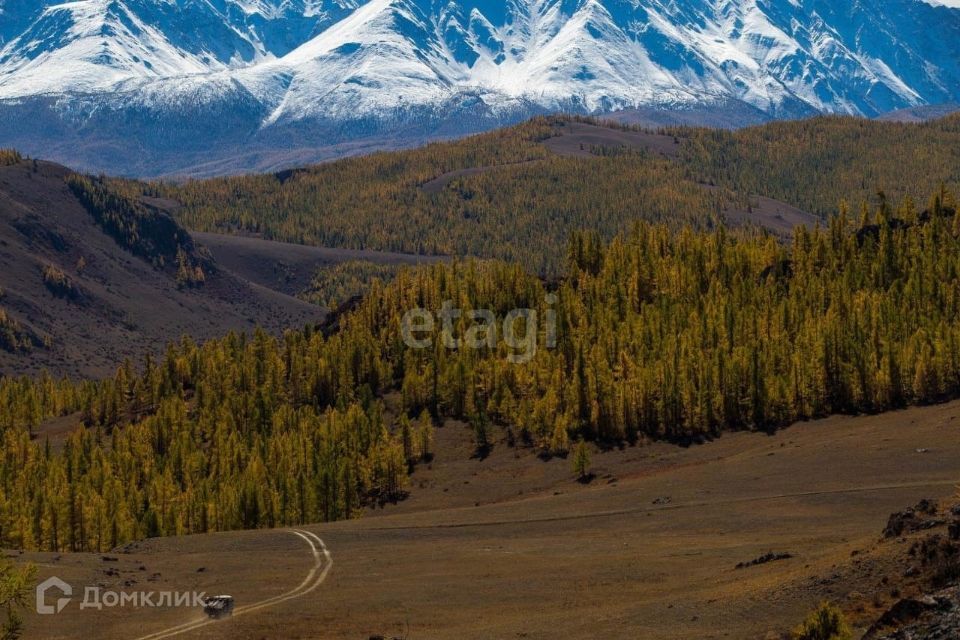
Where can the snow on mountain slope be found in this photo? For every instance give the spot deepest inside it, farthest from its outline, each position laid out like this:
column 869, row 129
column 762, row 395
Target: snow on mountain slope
column 292, row 62
column 382, row 56
column 601, row 55
column 857, row 56
column 91, row 45
column 94, row 45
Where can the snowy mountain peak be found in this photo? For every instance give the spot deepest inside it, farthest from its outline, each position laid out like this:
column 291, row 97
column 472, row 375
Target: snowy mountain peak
column 849, row 57
column 299, row 61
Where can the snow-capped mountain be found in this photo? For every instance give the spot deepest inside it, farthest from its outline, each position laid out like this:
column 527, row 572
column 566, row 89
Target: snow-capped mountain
column 280, row 73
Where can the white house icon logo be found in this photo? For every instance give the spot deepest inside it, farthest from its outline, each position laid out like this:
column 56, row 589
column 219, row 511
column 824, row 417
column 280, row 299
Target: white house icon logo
column 45, row 609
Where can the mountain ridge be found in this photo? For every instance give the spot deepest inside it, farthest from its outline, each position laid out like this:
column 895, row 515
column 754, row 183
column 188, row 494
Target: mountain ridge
column 324, row 72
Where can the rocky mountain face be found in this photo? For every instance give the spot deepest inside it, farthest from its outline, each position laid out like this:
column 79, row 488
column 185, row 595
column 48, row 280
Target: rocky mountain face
column 150, row 87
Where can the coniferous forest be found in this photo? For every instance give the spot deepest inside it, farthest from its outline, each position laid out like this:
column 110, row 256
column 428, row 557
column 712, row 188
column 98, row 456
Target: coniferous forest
column 661, row 333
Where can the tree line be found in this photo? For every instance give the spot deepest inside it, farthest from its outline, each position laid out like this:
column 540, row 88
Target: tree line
column 146, row 232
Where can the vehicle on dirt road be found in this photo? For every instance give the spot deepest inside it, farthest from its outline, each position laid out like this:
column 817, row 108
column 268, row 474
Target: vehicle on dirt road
column 218, row 607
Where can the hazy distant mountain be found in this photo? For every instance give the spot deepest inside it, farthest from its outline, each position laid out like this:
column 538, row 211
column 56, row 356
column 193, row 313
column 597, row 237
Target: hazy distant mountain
column 156, row 86
column 922, row 113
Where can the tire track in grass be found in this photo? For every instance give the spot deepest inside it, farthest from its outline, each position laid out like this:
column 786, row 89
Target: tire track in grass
column 322, row 563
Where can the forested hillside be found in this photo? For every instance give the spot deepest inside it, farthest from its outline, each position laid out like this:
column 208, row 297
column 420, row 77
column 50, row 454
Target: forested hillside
column 813, row 164
column 658, row 335
column 150, row 234
column 524, row 208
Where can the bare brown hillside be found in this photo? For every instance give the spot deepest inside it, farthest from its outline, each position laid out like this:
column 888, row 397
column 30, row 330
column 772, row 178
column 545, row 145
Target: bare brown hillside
column 81, row 302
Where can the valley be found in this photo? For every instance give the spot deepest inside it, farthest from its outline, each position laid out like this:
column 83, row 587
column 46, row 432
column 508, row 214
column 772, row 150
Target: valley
column 511, row 546
column 739, row 355
column 288, row 268
column 103, row 320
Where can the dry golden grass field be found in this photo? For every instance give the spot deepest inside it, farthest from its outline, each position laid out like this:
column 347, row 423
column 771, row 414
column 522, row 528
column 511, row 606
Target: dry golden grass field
column 647, row 550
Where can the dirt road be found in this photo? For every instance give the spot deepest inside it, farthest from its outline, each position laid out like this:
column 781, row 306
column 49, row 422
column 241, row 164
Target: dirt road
column 322, row 563
column 512, row 547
